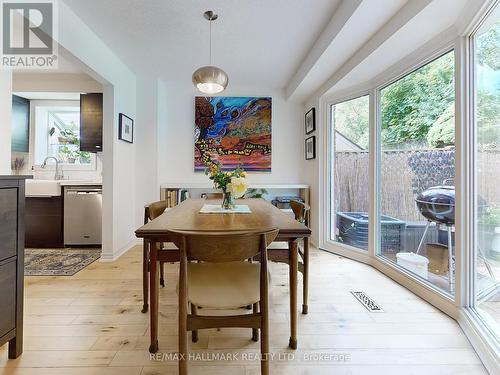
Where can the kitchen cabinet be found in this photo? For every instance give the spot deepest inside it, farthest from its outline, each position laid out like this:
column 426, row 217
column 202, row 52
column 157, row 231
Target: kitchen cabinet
column 91, row 122
column 12, row 262
column 20, row 124
column 44, row 222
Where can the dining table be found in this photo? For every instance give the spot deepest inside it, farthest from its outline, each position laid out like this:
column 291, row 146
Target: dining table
column 186, row 216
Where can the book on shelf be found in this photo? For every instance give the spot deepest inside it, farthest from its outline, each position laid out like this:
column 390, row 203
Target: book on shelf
column 174, row 196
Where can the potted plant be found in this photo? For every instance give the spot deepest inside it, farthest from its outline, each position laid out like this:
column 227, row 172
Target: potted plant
column 255, row 193
column 489, row 232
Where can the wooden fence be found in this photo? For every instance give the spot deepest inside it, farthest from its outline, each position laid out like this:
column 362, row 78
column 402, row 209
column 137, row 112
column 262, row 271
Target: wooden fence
column 404, row 175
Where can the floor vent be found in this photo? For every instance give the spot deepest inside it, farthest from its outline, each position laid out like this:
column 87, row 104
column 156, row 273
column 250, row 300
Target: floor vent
column 366, row 301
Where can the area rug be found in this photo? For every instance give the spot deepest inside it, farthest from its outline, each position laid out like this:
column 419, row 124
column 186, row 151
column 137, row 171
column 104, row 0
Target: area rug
column 58, row 262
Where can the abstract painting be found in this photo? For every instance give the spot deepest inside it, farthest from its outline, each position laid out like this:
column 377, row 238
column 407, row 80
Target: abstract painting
column 233, row 131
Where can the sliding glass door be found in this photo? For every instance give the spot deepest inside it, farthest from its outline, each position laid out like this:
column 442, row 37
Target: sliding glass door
column 417, row 171
column 486, row 47
column 349, row 178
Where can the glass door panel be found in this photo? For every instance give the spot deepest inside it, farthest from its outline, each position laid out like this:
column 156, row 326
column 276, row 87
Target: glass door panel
column 487, row 171
column 350, row 161
column 417, row 169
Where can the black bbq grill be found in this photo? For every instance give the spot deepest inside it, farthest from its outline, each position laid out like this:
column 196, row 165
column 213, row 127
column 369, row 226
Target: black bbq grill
column 437, row 204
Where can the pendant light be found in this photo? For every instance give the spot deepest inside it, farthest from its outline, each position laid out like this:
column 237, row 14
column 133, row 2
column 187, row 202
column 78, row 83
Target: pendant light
column 210, row 79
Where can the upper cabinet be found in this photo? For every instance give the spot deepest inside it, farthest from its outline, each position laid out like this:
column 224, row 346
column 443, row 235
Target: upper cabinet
column 91, row 122
column 20, row 124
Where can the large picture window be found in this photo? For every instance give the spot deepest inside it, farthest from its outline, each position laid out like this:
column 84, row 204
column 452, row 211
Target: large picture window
column 417, row 169
column 350, row 161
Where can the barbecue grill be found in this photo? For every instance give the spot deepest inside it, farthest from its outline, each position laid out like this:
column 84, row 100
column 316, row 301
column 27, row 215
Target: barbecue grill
column 437, row 204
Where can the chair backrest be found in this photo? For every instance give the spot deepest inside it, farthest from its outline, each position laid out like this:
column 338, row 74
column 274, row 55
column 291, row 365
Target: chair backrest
column 220, row 247
column 153, row 210
column 301, row 212
column 214, row 195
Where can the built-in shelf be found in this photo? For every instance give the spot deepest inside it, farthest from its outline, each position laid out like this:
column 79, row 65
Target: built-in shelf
column 208, row 185
column 173, row 191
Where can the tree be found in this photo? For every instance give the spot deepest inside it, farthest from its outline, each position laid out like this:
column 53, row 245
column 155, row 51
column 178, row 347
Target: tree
column 411, row 105
column 351, row 119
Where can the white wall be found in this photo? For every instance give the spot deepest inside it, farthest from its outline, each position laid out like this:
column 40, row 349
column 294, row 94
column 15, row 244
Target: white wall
column 146, row 136
column 119, row 88
column 5, row 121
column 312, row 169
column 54, row 82
column 176, row 136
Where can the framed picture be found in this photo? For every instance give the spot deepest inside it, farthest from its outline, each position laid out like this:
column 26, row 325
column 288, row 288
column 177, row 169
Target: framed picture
column 125, row 128
column 310, row 121
column 311, row 148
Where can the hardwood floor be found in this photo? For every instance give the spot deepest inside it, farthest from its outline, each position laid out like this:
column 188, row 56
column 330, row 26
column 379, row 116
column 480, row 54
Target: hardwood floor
column 91, row 324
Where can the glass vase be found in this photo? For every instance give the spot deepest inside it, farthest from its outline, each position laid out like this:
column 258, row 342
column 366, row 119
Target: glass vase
column 227, row 200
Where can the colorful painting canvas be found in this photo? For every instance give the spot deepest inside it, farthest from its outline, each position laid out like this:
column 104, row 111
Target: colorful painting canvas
column 233, row 131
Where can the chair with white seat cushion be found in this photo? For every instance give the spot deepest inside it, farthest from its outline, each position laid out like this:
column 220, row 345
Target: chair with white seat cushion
column 223, row 279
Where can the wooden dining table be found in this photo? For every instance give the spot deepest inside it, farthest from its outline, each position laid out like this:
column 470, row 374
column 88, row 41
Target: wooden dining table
column 187, row 217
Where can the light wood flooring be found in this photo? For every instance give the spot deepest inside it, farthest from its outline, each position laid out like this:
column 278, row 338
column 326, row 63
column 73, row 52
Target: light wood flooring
column 91, row 324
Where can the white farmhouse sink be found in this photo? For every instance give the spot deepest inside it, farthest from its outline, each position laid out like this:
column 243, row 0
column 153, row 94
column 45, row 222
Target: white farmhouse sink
column 46, row 188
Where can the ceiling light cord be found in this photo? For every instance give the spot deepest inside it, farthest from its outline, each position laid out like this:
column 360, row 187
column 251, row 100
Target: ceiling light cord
column 210, row 44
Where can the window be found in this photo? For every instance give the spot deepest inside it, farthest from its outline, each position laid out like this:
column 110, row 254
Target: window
column 487, row 173
column 57, row 134
column 350, row 161
column 417, row 169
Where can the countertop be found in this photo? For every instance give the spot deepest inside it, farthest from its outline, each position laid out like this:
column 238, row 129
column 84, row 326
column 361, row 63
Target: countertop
column 80, row 183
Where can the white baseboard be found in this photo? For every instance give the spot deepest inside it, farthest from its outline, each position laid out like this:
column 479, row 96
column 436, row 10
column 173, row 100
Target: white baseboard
column 112, row 257
column 478, row 338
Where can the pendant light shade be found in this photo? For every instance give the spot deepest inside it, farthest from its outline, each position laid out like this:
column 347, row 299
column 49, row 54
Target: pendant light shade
column 210, row 79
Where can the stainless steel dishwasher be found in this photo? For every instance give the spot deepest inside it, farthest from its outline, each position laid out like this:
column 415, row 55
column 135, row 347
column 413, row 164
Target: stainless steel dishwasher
column 83, row 215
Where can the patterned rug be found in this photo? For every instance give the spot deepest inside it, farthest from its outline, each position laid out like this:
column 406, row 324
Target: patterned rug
column 58, row 262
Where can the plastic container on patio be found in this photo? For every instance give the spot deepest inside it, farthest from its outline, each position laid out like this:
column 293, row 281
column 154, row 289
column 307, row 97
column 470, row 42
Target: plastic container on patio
column 352, row 229
column 414, row 263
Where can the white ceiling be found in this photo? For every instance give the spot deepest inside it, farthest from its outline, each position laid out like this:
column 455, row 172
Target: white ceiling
column 259, row 43
column 301, row 46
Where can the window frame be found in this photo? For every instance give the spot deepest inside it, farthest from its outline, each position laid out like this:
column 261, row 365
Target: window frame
column 56, row 105
column 326, row 242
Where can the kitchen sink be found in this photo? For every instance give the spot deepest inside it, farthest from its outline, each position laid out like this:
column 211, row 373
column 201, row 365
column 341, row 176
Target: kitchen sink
column 46, row 188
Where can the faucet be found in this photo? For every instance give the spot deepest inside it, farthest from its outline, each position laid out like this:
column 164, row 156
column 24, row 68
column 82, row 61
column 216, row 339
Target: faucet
column 59, row 172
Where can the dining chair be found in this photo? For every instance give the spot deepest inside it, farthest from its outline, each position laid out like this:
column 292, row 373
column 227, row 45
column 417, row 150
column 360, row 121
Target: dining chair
column 223, row 279
column 301, row 213
column 151, row 212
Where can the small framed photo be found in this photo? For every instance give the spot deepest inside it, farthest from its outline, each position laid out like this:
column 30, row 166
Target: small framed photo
column 311, row 148
column 310, row 121
column 125, row 128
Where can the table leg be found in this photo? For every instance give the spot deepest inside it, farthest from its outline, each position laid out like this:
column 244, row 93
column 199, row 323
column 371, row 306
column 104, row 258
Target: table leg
column 153, row 286
column 145, row 272
column 305, row 286
column 293, row 270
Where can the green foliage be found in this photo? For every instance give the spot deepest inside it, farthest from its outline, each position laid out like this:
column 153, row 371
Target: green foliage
column 491, row 218
column 412, row 105
column 442, row 132
column 351, row 119
column 256, row 193
column 72, row 138
column 220, row 178
column 487, row 49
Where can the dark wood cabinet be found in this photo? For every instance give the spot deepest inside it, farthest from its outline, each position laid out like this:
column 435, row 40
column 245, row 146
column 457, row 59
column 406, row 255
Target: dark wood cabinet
column 91, row 122
column 12, row 203
column 20, row 124
column 44, row 222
